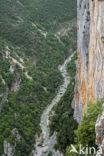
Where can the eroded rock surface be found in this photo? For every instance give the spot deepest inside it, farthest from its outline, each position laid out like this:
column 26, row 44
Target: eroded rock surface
column 99, row 128
column 90, row 65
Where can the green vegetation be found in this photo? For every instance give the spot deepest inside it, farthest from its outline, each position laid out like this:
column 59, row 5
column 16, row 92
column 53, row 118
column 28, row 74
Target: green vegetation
column 25, row 106
column 62, row 121
column 20, row 38
column 46, row 15
column 85, row 134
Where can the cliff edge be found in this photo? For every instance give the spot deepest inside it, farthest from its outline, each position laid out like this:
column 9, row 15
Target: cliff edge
column 90, row 63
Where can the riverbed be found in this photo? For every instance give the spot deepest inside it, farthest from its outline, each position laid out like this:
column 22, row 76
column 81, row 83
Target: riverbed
column 44, row 144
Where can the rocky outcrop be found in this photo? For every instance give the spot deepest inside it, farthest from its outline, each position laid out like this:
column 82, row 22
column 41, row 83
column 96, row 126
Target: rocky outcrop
column 99, row 128
column 53, row 141
column 16, row 84
column 9, row 150
column 90, row 64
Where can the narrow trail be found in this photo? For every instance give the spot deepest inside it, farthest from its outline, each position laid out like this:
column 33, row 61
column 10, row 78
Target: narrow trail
column 43, row 143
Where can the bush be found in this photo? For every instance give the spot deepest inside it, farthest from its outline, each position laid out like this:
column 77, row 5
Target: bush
column 85, row 134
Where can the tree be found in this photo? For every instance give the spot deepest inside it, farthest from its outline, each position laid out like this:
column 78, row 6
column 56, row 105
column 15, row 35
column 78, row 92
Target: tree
column 85, row 134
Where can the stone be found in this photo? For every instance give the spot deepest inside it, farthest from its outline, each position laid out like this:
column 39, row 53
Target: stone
column 90, row 64
column 99, row 129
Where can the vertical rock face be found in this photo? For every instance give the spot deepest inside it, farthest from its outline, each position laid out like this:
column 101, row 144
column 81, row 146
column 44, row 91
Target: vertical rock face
column 99, row 128
column 90, row 64
column 8, row 149
column 80, row 99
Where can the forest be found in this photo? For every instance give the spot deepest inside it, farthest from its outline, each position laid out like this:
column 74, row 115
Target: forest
column 62, row 122
column 29, row 44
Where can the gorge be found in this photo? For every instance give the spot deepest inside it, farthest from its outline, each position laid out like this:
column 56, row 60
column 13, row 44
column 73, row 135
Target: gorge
column 35, row 38
column 90, row 67
column 49, row 97
column 48, row 143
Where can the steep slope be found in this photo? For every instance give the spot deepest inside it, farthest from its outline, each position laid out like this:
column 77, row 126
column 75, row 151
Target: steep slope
column 90, row 66
column 99, row 128
column 62, row 122
column 31, row 49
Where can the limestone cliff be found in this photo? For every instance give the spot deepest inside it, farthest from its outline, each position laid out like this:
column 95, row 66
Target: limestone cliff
column 99, row 128
column 90, row 64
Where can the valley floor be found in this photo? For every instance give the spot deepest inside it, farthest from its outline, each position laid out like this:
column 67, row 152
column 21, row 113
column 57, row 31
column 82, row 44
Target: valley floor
column 44, row 144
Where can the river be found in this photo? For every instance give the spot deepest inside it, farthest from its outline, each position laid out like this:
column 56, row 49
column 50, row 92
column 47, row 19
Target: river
column 44, row 144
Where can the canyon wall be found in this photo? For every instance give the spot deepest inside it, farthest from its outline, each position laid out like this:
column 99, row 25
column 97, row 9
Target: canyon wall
column 99, row 129
column 90, row 63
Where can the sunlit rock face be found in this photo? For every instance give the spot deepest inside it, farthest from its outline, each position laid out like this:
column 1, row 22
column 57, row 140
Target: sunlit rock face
column 80, row 98
column 90, row 64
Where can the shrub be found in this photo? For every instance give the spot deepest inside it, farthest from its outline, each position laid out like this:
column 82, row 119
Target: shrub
column 85, row 134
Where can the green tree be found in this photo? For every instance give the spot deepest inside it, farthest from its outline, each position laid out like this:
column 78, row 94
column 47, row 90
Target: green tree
column 85, row 134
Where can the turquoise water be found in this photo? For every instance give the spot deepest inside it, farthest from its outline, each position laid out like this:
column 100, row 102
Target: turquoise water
column 46, row 148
